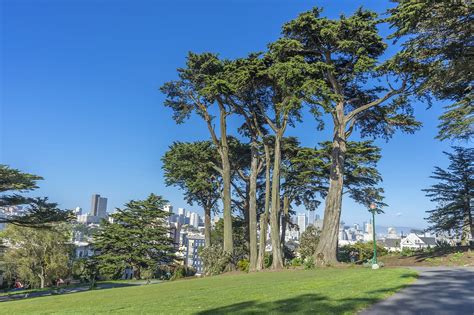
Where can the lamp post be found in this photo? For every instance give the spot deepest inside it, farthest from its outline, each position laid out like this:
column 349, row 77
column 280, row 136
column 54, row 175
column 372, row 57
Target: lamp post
column 373, row 209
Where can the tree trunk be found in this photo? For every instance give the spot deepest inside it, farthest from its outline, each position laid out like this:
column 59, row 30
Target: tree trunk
column 284, row 220
column 326, row 251
column 277, row 262
column 467, row 228
column 226, row 178
column 207, row 226
column 42, row 278
column 264, row 219
column 253, row 207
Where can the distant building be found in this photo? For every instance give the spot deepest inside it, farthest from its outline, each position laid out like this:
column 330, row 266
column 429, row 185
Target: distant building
column 192, row 242
column 415, row 241
column 98, row 206
column 302, row 221
column 194, row 220
column 168, row 208
column 392, row 244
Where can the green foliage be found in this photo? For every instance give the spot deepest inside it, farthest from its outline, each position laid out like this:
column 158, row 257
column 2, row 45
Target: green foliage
column 453, row 194
column 407, row 252
column 309, row 241
column 364, row 251
column 138, row 238
column 38, row 212
column 296, row 262
column 243, row 265
column 308, row 263
column 343, row 54
column 437, row 37
column 238, row 232
column 267, row 260
column 192, row 167
column 215, row 259
column 86, row 270
column 37, row 256
column 182, row 271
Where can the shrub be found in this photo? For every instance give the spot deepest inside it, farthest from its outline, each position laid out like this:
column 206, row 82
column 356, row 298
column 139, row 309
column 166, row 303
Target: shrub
column 243, row 265
column 406, row 252
column 214, row 259
column 309, row 263
column 364, row 251
column 268, row 259
column 309, row 241
column 183, row 272
column 295, row 262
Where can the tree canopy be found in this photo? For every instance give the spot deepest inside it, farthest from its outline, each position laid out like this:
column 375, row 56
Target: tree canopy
column 138, row 238
column 453, row 193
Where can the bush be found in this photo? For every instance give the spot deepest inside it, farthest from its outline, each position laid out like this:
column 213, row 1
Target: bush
column 267, row 260
column 309, row 263
column 183, row 272
column 214, row 259
column 243, row 265
column 406, row 252
column 296, row 262
column 309, row 241
column 364, row 251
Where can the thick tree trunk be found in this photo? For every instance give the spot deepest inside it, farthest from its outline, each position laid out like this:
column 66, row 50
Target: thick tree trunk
column 264, row 219
column 284, row 220
column 326, row 251
column 207, row 226
column 253, row 207
column 226, row 178
column 467, row 228
column 277, row 262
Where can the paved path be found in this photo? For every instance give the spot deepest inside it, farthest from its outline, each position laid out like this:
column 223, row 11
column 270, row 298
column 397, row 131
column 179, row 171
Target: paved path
column 438, row 290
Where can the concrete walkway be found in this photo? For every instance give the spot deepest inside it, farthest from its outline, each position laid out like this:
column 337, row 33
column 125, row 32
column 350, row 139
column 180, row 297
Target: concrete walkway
column 438, row 290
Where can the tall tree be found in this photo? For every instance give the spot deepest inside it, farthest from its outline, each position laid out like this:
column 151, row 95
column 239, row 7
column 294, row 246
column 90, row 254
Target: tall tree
column 37, row 256
column 344, row 55
column 454, row 195
column 201, row 85
column 37, row 212
column 192, row 167
column 438, row 36
column 248, row 100
column 138, row 237
column 287, row 85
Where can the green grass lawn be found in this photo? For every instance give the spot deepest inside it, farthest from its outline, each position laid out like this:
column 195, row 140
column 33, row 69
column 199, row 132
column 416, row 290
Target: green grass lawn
column 321, row 291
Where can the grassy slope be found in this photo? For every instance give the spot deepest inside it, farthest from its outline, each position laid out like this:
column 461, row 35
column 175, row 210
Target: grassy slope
column 457, row 256
column 326, row 291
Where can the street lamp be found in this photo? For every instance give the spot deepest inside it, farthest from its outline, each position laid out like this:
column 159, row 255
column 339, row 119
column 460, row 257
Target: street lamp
column 373, row 209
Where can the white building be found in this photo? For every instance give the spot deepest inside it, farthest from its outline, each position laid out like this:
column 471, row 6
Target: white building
column 194, row 220
column 302, row 222
column 414, row 241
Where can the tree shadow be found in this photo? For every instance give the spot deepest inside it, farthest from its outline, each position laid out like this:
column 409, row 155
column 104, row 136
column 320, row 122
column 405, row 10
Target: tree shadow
column 302, row 304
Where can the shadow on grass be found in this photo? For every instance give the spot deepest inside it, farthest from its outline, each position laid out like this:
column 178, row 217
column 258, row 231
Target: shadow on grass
column 303, row 304
column 312, row 303
column 27, row 294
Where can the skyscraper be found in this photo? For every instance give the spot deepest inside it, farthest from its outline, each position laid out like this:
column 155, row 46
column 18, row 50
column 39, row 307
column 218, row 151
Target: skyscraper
column 98, row 206
column 194, row 220
column 302, row 221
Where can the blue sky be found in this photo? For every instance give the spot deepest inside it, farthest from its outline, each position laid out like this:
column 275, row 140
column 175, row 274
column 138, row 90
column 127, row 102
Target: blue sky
column 80, row 103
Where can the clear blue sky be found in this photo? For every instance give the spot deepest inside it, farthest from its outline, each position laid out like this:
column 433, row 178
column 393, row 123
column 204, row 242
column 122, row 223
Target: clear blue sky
column 81, row 106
